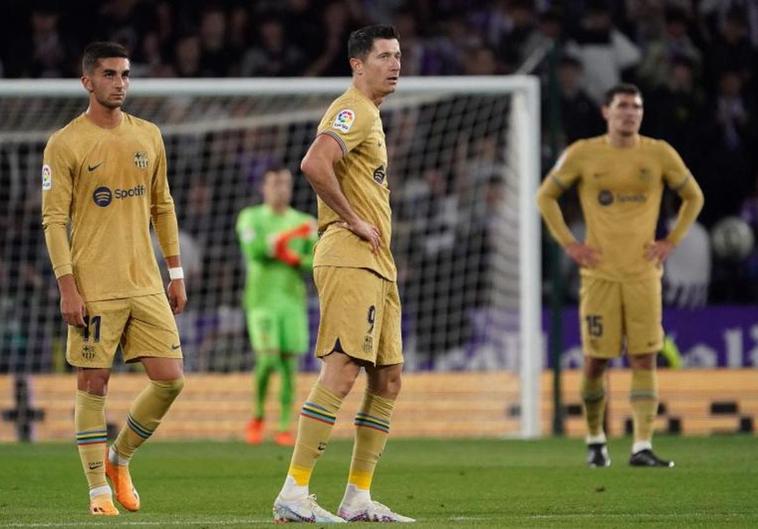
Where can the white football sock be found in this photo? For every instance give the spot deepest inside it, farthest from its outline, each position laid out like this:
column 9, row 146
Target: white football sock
column 291, row 490
column 354, row 494
column 639, row 446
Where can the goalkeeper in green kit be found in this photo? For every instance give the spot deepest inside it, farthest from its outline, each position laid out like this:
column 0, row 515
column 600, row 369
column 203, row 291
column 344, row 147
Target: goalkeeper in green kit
column 277, row 243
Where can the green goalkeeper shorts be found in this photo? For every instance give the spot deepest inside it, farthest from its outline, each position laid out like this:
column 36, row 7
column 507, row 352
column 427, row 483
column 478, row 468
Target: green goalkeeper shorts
column 278, row 330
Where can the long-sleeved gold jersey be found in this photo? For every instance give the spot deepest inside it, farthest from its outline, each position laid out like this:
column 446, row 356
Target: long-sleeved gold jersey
column 620, row 191
column 354, row 122
column 109, row 184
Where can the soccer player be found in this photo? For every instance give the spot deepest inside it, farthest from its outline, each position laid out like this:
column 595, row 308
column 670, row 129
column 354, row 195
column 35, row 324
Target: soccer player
column 620, row 178
column 104, row 176
column 355, row 276
column 277, row 242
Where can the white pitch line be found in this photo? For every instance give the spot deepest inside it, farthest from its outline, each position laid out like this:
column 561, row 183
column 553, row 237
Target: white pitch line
column 216, row 522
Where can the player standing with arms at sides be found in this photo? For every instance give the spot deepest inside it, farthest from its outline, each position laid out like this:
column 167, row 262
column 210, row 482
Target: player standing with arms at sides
column 105, row 174
column 620, row 178
column 355, row 276
column 277, row 243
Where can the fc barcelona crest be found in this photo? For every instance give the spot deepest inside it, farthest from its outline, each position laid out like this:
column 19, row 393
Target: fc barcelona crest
column 140, row 159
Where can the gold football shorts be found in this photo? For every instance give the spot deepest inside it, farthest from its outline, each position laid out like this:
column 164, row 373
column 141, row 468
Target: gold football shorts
column 613, row 314
column 143, row 325
column 360, row 315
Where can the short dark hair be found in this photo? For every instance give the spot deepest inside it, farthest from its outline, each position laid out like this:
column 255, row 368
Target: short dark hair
column 276, row 167
column 101, row 50
column 623, row 88
column 362, row 40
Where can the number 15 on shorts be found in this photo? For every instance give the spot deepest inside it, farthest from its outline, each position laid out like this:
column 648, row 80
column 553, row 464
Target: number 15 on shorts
column 594, row 325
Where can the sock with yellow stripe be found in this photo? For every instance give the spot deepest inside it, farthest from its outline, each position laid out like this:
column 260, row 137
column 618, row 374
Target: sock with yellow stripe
column 593, row 397
column 91, row 437
column 145, row 415
column 372, row 427
column 317, row 417
column 644, row 400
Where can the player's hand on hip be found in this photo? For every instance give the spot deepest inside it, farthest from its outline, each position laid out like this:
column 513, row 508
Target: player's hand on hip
column 583, row 254
column 366, row 231
column 658, row 251
column 177, row 295
column 72, row 308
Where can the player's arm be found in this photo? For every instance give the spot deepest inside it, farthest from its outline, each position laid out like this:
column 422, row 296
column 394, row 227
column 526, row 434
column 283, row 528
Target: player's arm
column 680, row 180
column 251, row 239
column 166, row 228
column 57, row 190
column 561, row 177
column 318, row 167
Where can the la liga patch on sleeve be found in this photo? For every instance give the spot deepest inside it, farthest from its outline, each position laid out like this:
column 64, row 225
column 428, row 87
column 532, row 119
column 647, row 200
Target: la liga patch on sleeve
column 47, row 178
column 344, row 120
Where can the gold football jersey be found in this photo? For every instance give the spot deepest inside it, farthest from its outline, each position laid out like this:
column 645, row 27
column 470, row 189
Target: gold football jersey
column 620, row 192
column 109, row 184
column 353, row 121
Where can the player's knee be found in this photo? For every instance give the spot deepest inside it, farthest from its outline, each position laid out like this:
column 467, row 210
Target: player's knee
column 594, row 367
column 169, row 389
column 643, row 361
column 387, row 386
column 342, row 385
column 393, row 386
column 93, row 381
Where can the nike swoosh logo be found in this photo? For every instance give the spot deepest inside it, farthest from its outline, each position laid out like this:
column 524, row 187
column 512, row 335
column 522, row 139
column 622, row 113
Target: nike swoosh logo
column 175, row 347
column 91, row 168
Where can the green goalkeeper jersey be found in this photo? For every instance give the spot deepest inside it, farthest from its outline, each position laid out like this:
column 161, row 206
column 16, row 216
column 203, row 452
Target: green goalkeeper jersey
column 271, row 283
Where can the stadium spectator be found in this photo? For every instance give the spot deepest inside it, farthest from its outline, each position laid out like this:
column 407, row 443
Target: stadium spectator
column 675, row 110
column 187, row 56
column 579, row 114
column 729, row 145
column 522, row 38
column 604, row 51
column 273, row 55
column 731, row 49
column 43, row 50
column 431, row 211
column 336, row 24
column 655, row 68
column 217, row 58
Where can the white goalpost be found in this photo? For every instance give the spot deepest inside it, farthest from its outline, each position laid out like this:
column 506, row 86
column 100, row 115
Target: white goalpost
column 463, row 171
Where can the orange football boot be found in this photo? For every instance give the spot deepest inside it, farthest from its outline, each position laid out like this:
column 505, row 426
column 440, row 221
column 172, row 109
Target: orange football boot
column 284, row 439
column 254, row 432
column 121, row 480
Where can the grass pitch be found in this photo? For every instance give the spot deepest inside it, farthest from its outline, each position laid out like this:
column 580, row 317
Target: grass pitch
column 444, row 484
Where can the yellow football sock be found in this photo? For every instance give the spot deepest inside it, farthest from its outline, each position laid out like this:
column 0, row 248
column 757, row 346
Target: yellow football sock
column 317, row 417
column 145, row 414
column 644, row 399
column 91, row 436
column 372, row 424
column 593, row 396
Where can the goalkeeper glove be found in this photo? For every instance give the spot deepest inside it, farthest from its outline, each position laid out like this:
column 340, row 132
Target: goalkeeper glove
column 281, row 249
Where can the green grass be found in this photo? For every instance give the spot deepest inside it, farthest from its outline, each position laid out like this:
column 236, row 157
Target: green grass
column 460, row 484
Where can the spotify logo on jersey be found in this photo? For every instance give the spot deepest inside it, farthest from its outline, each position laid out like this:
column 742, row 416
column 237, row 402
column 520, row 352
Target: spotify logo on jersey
column 605, row 197
column 103, row 195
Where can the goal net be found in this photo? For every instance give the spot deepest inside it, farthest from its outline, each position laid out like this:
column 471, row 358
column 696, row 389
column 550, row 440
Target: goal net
column 463, row 171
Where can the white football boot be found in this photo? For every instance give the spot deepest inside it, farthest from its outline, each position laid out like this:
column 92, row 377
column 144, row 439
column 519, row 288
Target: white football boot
column 302, row 509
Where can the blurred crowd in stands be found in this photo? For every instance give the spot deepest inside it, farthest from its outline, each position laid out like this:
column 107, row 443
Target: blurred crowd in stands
column 695, row 60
